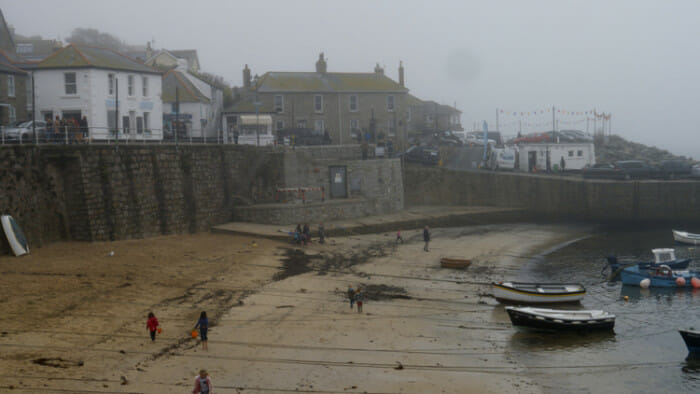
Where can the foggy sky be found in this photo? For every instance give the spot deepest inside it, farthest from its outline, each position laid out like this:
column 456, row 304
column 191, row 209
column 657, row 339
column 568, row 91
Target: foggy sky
column 638, row 60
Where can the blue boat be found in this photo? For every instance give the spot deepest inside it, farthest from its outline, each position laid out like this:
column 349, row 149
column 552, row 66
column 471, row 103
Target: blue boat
column 662, row 256
column 663, row 276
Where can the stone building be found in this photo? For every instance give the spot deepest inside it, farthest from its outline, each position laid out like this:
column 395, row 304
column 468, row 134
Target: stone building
column 13, row 80
column 428, row 117
column 348, row 106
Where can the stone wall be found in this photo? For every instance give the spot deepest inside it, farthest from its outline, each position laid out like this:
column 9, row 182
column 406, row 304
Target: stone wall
column 558, row 198
column 97, row 193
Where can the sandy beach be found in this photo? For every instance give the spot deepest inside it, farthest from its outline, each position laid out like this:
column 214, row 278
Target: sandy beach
column 74, row 314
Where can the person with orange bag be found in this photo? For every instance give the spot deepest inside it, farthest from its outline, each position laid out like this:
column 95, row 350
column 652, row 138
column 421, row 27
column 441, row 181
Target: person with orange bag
column 203, row 324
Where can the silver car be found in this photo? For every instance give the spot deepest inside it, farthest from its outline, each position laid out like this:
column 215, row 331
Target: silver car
column 24, row 133
column 695, row 171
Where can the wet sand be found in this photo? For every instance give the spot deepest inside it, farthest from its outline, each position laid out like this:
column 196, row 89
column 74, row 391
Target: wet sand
column 74, row 316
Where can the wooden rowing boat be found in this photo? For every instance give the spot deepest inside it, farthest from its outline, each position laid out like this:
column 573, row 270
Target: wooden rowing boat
column 538, row 293
column 557, row 319
column 447, row 262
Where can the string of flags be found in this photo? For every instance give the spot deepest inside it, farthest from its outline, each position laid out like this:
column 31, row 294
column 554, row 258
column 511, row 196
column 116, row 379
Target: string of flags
column 558, row 111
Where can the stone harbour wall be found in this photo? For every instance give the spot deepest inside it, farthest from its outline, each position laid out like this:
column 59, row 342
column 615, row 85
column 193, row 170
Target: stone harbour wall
column 559, row 197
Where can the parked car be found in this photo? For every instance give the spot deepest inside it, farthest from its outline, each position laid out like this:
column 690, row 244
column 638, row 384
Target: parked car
column 695, row 171
column 636, row 169
column 672, row 169
column 421, row 154
column 24, row 131
column 603, row 170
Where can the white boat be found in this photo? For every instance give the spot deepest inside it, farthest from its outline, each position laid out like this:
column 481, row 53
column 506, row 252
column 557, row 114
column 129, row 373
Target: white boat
column 541, row 293
column 15, row 236
column 557, row 319
column 686, row 237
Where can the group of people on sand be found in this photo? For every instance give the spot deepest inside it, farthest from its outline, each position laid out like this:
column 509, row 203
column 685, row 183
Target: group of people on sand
column 202, row 383
column 302, row 235
column 356, row 297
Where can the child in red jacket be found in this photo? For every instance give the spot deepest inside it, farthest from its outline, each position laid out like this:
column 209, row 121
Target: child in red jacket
column 152, row 325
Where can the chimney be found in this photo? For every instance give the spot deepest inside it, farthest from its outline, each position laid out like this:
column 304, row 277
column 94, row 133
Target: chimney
column 149, row 50
column 246, row 77
column 378, row 70
column 321, row 64
column 401, row 80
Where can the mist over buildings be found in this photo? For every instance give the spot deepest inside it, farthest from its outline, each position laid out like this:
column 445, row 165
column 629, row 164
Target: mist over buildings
column 636, row 60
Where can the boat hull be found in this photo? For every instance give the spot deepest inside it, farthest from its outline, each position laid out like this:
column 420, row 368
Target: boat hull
column 538, row 293
column 692, row 340
column 686, row 237
column 524, row 317
column 633, row 276
column 447, row 262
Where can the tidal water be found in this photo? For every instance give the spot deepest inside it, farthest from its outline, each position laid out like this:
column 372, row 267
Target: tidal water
column 645, row 353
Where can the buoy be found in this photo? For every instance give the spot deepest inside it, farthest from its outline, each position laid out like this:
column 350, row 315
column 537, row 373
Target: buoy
column 680, row 281
column 695, row 282
column 626, row 298
column 194, row 334
column 160, row 330
column 644, row 284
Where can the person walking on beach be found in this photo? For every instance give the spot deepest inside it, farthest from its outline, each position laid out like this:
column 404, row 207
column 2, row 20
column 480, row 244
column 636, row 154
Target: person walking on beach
column 426, row 237
column 398, row 237
column 351, row 295
column 321, row 234
column 359, row 298
column 152, row 325
column 203, row 324
column 202, row 383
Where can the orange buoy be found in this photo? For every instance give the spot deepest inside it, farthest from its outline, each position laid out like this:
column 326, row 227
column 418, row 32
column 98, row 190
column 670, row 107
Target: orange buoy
column 680, row 281
column 695, row 282
column 194, row 334
column 160, row 330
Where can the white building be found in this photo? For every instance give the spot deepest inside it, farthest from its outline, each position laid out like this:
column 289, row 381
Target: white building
column 545, row 156
column 119, row 96
column 200, row 104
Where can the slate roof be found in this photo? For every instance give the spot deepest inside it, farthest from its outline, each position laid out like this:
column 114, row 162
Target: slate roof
column 327, row 82
column 187, row 91
column 189, row 54
column 247, row 107
column 83, row 56
column 6, row 68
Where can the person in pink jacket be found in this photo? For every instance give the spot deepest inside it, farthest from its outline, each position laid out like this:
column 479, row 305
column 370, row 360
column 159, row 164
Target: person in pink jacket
column 202, row 383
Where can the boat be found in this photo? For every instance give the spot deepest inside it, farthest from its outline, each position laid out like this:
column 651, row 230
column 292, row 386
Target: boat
column 662, row 256
column 448, row 262
column 662, row 276
column 15, row 236
column 686, row 237
column 691, row 338
column 559, row 319
column 544, row 293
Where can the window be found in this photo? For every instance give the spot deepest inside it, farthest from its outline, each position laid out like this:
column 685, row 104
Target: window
column 144, row 86
column 10, row 86
column 13, row 114
column 301, row 123
column 146, row 121
column 579, row 153
column 389, row 103
column 408, row 115
column 131, row 85
column 571, row 153
column 279, row 103
column 353, row 103
column 354, row 125
column 139, row 125
column 70, row 84
column 125, row 124
column 429, row 118
column 318, row 103
column 110, row 84
column 280, row 125
column 390, row 127
column 319, row 125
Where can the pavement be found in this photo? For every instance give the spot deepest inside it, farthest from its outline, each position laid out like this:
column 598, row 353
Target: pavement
column 409, row 218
